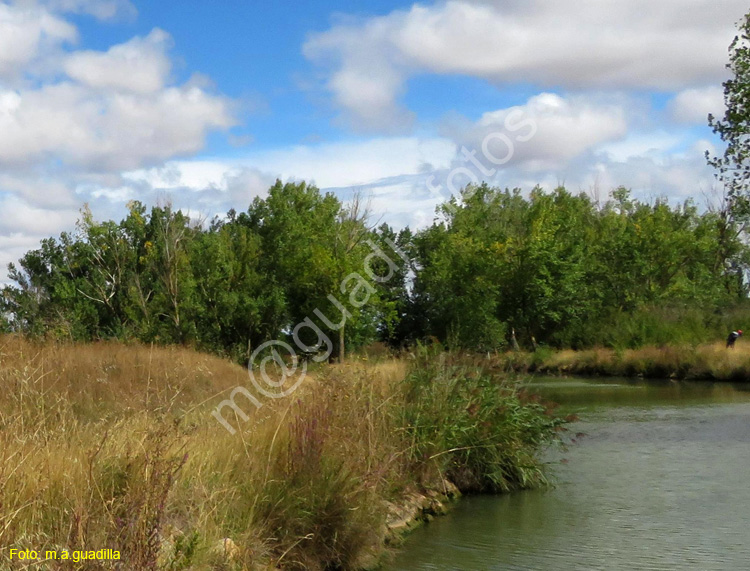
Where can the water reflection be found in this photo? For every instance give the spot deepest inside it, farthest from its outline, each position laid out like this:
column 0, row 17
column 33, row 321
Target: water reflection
column 658, row 482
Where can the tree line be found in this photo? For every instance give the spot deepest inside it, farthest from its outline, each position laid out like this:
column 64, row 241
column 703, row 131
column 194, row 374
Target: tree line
column 496, row 268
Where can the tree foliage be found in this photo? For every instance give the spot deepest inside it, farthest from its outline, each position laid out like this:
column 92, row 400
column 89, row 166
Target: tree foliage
column 733, row 166
column 558, row 269
column 553, row 267
column 158, row 276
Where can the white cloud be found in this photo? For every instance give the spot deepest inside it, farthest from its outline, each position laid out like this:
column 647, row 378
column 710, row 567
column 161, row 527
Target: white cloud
column 694, row 105
column 20, row 216
column 106, row 131
column 140, row 65
column 116, row 109
column 649, row 177
column 12, row 247
column 368, row 95
column 404, row 203
column 545, row 132
column 642, row 144
column 216, row 185
column 27, row 32
column 369, row 164
column 39, row 189
column 116, row 112
column 576, row 45
column 194, row 175
column 72, row 121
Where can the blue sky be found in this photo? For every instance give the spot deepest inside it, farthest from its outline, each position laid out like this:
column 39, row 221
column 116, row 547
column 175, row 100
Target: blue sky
column 205, row 104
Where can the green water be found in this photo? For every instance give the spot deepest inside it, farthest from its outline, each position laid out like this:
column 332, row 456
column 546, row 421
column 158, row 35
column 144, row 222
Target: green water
column 659, row 479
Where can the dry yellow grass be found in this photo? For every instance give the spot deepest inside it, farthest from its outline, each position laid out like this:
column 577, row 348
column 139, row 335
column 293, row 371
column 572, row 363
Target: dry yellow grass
column 711, row 361
column 113, row 446
column 110, row 445
column 76, row 418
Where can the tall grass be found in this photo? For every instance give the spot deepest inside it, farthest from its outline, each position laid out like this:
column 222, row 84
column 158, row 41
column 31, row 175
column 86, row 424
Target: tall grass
column 113, row 446
column 474, row 426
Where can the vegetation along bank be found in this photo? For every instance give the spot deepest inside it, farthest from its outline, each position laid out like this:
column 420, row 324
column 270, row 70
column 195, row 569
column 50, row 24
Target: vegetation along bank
column 709, row 361
column 112, row 446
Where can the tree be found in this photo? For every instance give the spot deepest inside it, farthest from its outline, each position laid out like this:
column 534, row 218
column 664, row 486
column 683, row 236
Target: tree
column 311, row 242
column 237, row 306
column 348, row 255
column 733, row 165
column 551, row 266
column 47, row 298
column 558, row 269
column 171, row 234
column 399, row 321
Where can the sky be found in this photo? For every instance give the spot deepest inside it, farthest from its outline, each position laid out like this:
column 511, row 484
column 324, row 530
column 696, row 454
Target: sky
column 206, row 104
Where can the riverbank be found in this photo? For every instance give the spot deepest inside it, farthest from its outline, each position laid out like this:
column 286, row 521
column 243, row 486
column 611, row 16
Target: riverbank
column 709, row 361
column 113, row 446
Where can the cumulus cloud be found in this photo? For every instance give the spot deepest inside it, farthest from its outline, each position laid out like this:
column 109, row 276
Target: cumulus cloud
column 581, row 45
column 694, row 105
column 111, row 130
column 104, row 10
column 545, row 132
column 676, row 177
column 140, row 65
column 39, row 189
column 13, row 247
column 25, row 34
column 215, row 185
column 116, row 110
column 353, row 163
column 20, row 216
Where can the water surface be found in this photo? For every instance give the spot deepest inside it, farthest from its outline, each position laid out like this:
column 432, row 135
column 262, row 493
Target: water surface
column 659, row 480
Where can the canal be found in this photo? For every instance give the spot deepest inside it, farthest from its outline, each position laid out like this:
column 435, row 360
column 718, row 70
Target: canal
column 656, row 475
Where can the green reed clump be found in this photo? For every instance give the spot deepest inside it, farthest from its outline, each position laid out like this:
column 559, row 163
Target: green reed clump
column 474, row 427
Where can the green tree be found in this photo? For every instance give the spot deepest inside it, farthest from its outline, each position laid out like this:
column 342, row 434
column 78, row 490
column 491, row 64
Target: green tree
column 311, row 243
column 47, row 296
column 557, row 268
column 399, row 321
column 237, row 307
column 733, row 166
